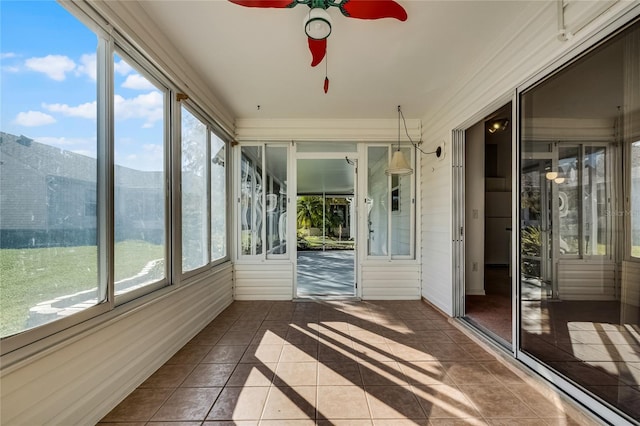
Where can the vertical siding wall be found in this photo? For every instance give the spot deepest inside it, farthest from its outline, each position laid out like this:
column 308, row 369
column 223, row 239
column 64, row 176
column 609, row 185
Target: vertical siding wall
column 81, row 380
column 528, row 45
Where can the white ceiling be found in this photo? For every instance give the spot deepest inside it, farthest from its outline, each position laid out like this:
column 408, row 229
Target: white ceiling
column 253, row 56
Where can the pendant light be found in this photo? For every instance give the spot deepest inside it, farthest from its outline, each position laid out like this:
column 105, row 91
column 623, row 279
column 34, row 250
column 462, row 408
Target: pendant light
column 398, row 164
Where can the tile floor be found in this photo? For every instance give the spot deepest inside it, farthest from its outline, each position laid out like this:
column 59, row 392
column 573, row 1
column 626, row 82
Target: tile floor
column 334, row 363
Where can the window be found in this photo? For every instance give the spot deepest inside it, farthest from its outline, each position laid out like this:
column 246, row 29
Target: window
column 48, row 176
column 139, row 177
column 73, row 128
column 634, row 213
column 194, row 193
column 263, row 201
column 579, row 150
column 389, row 206
column 218, row 198
column 204, row 202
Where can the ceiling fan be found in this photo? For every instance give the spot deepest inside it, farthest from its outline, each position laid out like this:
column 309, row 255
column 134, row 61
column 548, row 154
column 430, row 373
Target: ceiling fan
column 317, row 23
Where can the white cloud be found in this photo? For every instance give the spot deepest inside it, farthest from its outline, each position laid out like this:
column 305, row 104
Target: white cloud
column 86, row 110
column 88, row 66
column 7, row 55
column 54, row 66
column 137, row 82
column 33, row 119
column 150, row 158
column 122, row 68
column 148, row 106
column 12, row 69
column 83, row 146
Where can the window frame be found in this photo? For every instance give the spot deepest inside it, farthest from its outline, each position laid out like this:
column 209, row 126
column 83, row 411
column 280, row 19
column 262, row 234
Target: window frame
column 391, row 147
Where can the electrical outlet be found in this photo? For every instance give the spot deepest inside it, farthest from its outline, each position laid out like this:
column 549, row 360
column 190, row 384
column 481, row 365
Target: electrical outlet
column 475, row 267
column 475, row 213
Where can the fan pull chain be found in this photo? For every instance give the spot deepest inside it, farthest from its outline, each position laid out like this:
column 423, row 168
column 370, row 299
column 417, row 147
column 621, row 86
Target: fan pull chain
column 326, row 78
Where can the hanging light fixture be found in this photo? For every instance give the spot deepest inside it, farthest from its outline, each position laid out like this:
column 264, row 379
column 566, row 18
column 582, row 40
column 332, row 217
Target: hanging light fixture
column 398, row 164
column 317, row 24
column 498, row 125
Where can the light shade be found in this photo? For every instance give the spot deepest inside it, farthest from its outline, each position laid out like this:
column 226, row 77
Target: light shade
column 398, row 165
column 317, row 24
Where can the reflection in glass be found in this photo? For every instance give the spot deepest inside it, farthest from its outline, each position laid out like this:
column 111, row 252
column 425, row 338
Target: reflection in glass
column 580, row 293
column 378, row 201
column 139, row 177
column 251, row 188
column 218, row 198
column 634, row 213
column 194, row 193
column 276, row 199
column 401, row 207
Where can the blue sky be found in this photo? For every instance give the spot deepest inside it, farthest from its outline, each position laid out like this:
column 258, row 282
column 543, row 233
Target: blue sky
column 48, row 87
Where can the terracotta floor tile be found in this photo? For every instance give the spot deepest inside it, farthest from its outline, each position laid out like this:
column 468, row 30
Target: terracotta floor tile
column 250, row 375
column 393, row 402
column 339, row 374
column 191, row 353
column 297, row 402
column 296, row 374
column 496, row 401
column 342, row 402
column 445, row 401
column 425, row 373
column 262, row 354
column 299, row 353
column 187, row 404
column 469, row 373
column 140, row 405
column 239, row 404
column 209, row 375
column 382, row 374
column 224, row 354
column 168, row 376
column 348, row 363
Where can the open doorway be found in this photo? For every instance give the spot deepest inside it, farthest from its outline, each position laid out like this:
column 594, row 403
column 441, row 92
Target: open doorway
column 326, row 228
column 488, row 195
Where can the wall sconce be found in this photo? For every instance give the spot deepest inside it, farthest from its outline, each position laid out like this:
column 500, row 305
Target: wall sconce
column 398, row 164
column 498, row 125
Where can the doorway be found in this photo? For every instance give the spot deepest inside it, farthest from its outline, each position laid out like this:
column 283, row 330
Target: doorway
column 488, row 225
column 326, row 227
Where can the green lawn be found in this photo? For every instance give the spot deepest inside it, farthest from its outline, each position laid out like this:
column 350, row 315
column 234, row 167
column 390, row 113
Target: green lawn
column 331, row 243
column 31, row 276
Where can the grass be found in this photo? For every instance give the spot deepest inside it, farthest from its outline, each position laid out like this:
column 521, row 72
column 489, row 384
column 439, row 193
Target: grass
column 31, row 276
column 330, row 243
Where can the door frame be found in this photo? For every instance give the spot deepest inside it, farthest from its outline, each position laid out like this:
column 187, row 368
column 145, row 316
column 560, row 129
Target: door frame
column 292, row 225
column 458, row 209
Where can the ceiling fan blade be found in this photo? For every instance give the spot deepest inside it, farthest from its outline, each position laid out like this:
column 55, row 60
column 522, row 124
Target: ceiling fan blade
column 265, row 3
column 318, row 49
column 373, row 9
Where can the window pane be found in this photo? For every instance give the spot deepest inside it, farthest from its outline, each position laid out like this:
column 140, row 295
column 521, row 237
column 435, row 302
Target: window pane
column 635, row 199
column 139, row 200
column 579, row 306
column 595, row 204
column 48, row 168
column 276, row 206
column 218, row 198
column 251, row 200
column 401, row 212
column 194, row 193
column 378, row 200
column 569, row 202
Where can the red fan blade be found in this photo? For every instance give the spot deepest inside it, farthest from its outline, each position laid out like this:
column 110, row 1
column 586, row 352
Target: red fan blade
column 318, row 49
column 265, row 3
column 373, row 9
